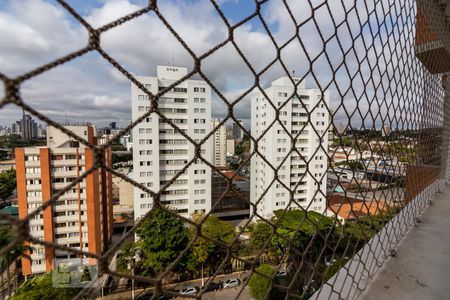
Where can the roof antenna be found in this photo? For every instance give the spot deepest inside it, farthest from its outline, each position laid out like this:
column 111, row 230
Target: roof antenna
column 173, row 62
column 67, row 116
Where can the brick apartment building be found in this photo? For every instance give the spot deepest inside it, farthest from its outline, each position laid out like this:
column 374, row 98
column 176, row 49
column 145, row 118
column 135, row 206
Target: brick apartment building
column 82, row 217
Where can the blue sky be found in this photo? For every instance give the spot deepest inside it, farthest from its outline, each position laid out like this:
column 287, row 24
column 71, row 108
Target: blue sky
column 91, row 89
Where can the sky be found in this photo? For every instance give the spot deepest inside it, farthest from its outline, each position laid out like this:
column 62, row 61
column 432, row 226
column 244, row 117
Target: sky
column 88, row 88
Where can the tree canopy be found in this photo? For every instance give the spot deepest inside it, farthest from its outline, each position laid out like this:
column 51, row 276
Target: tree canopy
column 7, row 183
column 162, row 237
column 204, row 250
column 258, row 284
column 41, row 288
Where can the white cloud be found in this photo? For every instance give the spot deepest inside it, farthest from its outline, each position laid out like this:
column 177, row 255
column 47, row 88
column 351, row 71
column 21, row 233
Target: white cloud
column 91, row 88
column 33, row 33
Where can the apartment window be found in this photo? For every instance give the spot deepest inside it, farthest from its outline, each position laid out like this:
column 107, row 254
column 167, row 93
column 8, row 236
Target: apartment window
column 59, row 214
column 32, row 158
column 179, row 121
column 199, row 110
column 199, row 89
column 180, row 90
column 179, row 141
column 148, row 86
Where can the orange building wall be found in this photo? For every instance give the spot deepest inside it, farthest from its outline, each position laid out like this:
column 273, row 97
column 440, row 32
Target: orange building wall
column 93, row 205
column 46, row 183
column 22, row 201
column 107, row 199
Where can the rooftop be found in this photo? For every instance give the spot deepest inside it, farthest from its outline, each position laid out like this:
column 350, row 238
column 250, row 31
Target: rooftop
column 420, row 268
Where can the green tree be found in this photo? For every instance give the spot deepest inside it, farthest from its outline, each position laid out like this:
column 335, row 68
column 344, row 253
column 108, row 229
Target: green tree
column 15, row 141
column 260, row 234
column 162, row 237
column 41, row 288
column 217, row 229
column 3, row 154
column 127, row 252
column 204, row 250
column 308, row 232
column 258, row 284
column 234, row 165
column 7, row 234
column 239, row 150
column 7, row 183
column 117, row 158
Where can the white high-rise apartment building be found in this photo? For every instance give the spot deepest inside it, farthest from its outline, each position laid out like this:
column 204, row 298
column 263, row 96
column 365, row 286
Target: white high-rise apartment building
column 159, row 151
column 219, row 144
column 276, row 145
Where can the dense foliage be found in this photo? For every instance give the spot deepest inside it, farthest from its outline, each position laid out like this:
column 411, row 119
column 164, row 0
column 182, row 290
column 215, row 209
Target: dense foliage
column 7, row 183
column 6, row 236
column 310, row 246
column 41, row 288
column 316, row 245
column 13, row 141
column 258, row 284
column 162, row 238
column 118, row 158
column 205, row 251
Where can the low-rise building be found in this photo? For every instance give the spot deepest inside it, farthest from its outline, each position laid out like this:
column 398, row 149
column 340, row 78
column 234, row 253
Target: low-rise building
column 230, row 203
column 123, row 207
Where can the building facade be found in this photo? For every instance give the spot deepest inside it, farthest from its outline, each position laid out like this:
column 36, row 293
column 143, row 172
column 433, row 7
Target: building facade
column 219, row 144
column 26, row 127
column 160, row 151
column 238, row 133
column 235, row 132
column 309, row 187
column 231, row 146
column 81, row 218
column 230, row 203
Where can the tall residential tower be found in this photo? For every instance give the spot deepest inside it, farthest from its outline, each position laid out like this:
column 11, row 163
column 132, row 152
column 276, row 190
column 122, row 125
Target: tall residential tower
column 160, row 151
column 82, row 217
column 275, row 145
column 219, row 144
